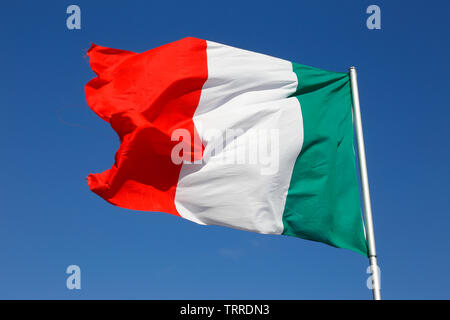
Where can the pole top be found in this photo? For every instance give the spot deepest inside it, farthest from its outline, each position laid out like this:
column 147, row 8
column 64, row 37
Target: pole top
column 352, row 68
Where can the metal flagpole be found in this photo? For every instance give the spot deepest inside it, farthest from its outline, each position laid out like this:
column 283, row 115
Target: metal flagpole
column 368, row 222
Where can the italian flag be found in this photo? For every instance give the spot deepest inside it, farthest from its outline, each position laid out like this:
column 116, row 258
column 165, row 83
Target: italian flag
column 224, row 136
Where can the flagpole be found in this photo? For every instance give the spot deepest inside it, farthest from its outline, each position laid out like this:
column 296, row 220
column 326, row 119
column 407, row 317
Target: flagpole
column 368, row 222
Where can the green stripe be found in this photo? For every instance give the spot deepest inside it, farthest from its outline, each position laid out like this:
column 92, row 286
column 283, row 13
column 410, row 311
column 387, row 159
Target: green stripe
column 323, row 201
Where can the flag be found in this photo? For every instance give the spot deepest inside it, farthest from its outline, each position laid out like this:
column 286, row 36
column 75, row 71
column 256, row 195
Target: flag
column 224, row 136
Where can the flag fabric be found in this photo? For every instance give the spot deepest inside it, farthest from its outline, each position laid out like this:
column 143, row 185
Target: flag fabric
column 224, row 136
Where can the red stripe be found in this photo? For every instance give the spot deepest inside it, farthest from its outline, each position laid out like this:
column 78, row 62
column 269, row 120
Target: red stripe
column 145, row 97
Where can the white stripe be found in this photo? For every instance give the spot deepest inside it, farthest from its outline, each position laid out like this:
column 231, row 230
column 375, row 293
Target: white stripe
column 244, row 91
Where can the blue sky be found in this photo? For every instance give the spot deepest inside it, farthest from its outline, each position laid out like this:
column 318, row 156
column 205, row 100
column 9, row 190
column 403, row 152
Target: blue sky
column 51, row 141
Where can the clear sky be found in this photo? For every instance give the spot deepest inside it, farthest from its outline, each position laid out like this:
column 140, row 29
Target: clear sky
column 51, row 141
